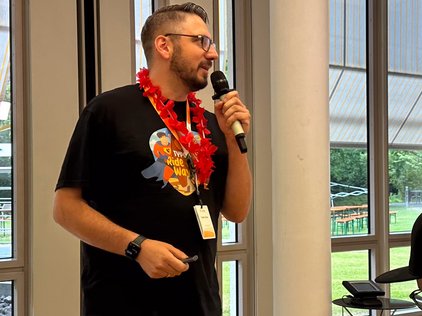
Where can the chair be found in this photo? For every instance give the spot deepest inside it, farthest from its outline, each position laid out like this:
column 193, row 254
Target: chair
column 414, row 270
column 361, row 220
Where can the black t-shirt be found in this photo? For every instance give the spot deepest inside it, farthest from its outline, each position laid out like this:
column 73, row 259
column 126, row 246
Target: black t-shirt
column 132, row 170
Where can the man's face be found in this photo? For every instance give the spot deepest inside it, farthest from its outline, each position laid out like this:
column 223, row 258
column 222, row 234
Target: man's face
column 164, row 140
column 189, row 61
column 189, row 71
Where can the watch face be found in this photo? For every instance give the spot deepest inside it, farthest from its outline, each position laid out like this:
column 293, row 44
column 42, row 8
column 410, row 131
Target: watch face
column 134, row 247
column 132, row 250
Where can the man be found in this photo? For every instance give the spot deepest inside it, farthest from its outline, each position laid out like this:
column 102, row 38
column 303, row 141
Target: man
column 135, row 227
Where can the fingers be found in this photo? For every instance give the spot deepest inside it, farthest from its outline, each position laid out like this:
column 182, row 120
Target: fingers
column 175, row 268
column 169, row 268
column 232, row 109
column 161, row 260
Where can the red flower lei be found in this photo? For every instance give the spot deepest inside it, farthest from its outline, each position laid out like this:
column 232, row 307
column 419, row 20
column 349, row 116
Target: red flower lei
column 200, row 151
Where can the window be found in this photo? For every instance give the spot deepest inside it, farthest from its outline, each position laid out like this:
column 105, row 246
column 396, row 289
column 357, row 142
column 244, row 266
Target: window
column 404, row 133
column 5, row 135
column 232, row 248
column 404, row 112
column 349, row 183
column 226, row 44
column 348, row 131
column 231, row 260
column 143, row 9
column 364, row 70
column 11, row 160
column 357, row 271
column 229, row 287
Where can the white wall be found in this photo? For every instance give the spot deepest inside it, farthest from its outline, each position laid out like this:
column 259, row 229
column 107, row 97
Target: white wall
column 300, row 143
column 291, row 150
column 52, row 112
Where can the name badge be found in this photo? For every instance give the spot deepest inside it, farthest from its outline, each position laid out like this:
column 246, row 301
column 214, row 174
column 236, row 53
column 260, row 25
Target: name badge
column 204, row 221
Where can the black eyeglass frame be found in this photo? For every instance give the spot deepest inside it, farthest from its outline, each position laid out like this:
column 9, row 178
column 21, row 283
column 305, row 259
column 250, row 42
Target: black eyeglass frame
column 206, row 42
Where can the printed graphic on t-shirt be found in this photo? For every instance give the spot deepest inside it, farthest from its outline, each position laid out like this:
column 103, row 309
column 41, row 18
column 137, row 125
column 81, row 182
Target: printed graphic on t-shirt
column 170, row 164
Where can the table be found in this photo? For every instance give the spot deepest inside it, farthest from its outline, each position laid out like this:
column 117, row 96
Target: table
column 345, row 216
column 384, row 304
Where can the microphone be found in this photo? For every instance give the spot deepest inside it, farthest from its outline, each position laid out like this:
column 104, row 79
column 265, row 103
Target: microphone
column 221, row 88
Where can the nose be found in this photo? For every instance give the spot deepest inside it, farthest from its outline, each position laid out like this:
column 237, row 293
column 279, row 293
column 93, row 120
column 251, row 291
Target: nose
column 212, row 52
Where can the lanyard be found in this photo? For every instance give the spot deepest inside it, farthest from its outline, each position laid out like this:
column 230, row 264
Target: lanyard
column 165, row 120
column 191, row 165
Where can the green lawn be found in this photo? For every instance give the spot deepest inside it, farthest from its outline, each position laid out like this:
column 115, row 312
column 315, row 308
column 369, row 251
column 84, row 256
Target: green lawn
column 405, row 218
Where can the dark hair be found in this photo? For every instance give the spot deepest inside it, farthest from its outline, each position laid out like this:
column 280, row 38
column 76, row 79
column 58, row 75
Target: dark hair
column 161, row 134
column 167, row 16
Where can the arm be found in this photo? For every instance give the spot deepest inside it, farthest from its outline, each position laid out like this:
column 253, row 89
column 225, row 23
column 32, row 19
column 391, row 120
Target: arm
column 158, row 259
column 239, row 179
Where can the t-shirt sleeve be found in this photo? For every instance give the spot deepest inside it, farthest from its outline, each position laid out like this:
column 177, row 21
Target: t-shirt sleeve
column 76, row 165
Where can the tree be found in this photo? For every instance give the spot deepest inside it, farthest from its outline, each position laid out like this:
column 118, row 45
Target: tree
column 405, row 169
column 349, row 166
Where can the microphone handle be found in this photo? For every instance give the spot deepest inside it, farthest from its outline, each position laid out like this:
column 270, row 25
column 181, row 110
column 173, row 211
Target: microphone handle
column 238, row 133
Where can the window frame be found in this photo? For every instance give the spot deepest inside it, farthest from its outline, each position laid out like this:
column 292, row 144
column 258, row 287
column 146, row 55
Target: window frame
column 13, row 269
column 376, row 142
column 18, row 165
column 242, row 250
column 379, row 241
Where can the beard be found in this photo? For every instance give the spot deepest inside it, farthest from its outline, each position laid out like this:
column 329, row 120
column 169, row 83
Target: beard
column 187, row 74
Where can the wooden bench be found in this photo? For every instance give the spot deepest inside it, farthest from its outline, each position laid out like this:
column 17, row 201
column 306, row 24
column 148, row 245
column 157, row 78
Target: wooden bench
column 360, row 219
column 346, row 223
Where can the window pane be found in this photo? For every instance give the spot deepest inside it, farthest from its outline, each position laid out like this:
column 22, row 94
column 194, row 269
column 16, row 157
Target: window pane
column 346, row 266
column 6, row 298
column 228, row 231
column 404, row 208
column 405, row 112
column 349, row 193
column 226, row 40
column 226, row 46
column 6, row 207
column 143, row 9
column 348, row 121
column 230, row 289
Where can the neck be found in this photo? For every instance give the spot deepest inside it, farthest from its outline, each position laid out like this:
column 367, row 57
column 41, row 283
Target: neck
column 170, row 85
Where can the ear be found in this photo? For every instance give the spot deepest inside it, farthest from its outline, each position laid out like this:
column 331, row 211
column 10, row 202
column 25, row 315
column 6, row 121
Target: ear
column 163, row 46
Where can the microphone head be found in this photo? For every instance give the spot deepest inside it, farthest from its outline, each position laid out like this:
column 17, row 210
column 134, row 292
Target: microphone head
column 219, row 83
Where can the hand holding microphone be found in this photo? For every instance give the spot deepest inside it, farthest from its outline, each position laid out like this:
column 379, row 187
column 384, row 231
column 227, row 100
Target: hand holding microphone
column 221, row 88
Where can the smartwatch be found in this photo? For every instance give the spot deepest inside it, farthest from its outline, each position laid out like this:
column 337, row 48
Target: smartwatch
column 134, row 247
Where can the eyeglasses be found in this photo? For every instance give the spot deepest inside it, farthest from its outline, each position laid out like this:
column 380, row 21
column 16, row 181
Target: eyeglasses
column 416, row 298
column 206, row 42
